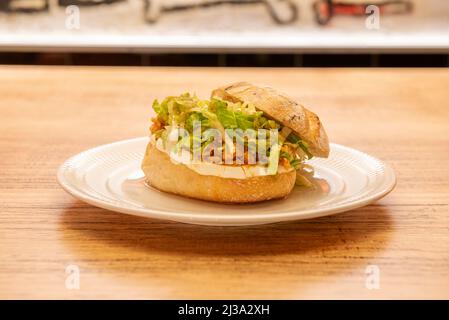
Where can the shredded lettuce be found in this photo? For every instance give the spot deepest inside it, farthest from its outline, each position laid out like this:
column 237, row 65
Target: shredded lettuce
column 232, row 119
column 186, row 110
column 301, row 143
column 183, row 110
column 197, row 116
column 213, row 120
column 161, row 110
column 284, row 154
column 302, row 180
column 295, row 163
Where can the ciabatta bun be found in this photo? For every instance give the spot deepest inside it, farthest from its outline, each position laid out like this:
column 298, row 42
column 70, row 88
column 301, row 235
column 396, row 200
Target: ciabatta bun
column 164, row 175
column 277, row 106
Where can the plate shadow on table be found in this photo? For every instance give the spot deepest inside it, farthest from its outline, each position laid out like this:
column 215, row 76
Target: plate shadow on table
column 118, row 229
column 149, row 249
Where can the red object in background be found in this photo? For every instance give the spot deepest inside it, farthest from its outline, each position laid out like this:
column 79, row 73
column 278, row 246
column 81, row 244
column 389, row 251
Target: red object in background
column 326, row 9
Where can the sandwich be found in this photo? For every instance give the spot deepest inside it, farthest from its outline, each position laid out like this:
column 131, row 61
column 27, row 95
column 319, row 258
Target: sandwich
column 245, row 144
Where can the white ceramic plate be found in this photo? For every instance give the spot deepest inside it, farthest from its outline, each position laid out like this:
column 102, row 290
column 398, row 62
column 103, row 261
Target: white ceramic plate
column 109, row 177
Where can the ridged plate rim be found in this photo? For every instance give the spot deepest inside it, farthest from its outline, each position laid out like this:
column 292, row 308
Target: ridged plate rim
column 211, row 218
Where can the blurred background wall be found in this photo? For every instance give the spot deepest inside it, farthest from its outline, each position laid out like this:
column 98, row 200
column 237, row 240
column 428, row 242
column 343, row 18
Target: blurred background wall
column 279, row 33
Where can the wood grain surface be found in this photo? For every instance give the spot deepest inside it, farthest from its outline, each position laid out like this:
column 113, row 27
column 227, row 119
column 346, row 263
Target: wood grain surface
column 51, row 113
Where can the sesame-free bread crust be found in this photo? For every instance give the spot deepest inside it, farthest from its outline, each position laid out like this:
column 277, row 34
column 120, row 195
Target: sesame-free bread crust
column 164, row 175
column 285, row 110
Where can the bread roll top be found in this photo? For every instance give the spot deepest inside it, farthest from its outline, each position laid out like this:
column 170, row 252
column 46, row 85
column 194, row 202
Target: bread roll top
column 283, row 109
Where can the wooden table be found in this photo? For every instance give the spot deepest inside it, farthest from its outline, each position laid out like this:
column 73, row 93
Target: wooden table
column 51, row 113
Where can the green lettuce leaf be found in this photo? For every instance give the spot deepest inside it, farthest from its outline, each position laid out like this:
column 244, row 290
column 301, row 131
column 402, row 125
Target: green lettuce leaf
column 302, row 144
column 286, row 155
column 161, row 110
column 197, row 116
column 232, row 119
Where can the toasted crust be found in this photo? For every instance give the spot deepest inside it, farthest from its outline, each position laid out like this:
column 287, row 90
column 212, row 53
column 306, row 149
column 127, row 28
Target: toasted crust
column 275, row 105
column 164, row 175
